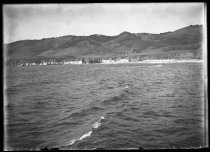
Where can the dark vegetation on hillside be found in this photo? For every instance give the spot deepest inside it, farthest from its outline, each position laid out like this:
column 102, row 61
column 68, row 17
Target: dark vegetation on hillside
column 164, row 45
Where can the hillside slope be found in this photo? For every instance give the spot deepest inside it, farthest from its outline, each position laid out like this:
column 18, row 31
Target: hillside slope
column 185, row 39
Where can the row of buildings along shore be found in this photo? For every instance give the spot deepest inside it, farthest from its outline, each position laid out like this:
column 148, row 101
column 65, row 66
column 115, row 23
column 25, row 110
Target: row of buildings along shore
column 142, row 58
column 66, row 62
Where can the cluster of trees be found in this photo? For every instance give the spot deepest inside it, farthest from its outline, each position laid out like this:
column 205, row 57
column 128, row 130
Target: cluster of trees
column 185, row 47
column 181, row 55
column 91, row 60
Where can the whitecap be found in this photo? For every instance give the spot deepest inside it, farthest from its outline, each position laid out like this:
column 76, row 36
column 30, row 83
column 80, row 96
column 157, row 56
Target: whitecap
column 81, row 138
column 98, row 123
column 86, row 135
column 72, row 142
column 158, row 65
column 95, row 125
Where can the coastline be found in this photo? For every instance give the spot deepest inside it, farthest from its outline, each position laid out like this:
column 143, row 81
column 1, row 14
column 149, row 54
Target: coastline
column 161, row 61
column 151, row 61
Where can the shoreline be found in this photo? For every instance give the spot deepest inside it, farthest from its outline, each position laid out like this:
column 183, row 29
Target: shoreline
column 154, row 61
column 160, row 61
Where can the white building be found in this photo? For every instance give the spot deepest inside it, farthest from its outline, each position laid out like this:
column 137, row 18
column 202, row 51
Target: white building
column 76, row 62
column 66, row 62
column 33, row 64
column 72, row 62
column 43, row 63
column 107, row 61
column 122, row 61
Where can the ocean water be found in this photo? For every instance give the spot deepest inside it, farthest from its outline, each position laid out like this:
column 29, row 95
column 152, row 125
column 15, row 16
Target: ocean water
column 120, row 106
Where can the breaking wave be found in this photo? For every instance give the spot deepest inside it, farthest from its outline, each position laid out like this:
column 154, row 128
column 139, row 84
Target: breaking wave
column 81, row 138
column 95, row 126
column 158, row 65
column 98, row 123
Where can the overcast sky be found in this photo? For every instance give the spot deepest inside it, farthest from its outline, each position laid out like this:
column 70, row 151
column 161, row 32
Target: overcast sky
column 37, row 21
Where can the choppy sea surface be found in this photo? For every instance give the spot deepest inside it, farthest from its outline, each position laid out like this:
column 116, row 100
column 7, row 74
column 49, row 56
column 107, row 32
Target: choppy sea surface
column 105, row 106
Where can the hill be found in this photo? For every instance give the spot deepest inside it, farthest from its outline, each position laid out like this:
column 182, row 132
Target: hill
column 188, row 39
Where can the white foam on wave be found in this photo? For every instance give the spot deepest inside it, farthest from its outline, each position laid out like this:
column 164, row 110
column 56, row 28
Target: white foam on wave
column 95, row 125
column 86, row 135
column 98, row 123
column 158, row 65
column 72, row 142
column 81, row 138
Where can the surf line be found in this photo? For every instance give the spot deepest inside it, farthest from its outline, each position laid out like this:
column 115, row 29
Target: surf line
column 95, row 126
column 158, row 65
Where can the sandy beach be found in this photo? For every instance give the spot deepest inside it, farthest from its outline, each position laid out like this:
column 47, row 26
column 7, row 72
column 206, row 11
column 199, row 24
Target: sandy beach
column 158, row 61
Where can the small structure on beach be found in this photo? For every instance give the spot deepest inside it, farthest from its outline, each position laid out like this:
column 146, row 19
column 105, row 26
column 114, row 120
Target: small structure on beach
column 107, row 61
column 73, row 62
column 122, row 61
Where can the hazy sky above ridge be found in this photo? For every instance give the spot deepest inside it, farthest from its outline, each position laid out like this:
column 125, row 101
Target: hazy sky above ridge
column 37, row 21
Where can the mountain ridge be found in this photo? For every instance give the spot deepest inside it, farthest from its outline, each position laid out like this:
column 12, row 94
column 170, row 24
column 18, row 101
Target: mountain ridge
column 101, row 34
column 187, row 39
